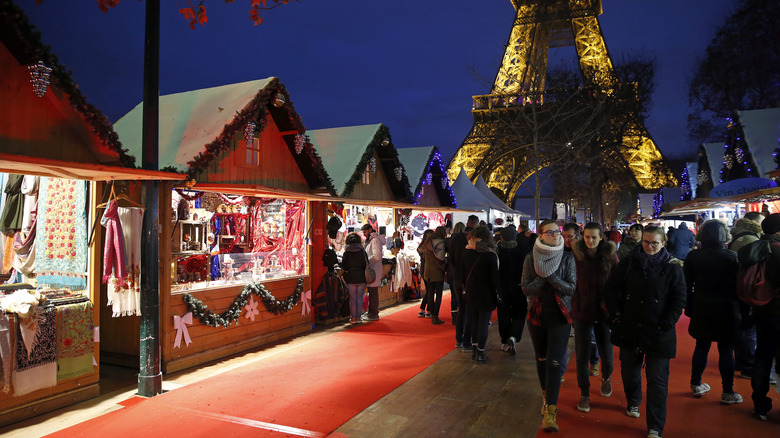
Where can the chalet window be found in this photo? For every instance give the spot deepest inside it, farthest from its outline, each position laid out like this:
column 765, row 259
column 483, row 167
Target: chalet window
column 253, row 153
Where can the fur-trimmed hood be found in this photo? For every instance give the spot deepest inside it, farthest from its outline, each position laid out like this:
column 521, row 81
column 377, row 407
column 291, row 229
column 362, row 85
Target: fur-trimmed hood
column 746, row 225
column 603, row 256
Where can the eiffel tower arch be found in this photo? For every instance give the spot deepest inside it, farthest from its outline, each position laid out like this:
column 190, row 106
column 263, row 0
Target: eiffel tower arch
column 539, row 25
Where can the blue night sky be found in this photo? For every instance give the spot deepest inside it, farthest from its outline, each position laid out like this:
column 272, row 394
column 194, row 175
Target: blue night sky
column 408, row 64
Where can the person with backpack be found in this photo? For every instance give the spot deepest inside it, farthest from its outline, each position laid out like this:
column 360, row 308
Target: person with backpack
column 746, row 230
column 714, row 309
column 434, row 253
column 767, row 316
column 645, row 296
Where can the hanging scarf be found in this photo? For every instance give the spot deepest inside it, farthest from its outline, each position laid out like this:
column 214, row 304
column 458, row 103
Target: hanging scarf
column 24, row 260
column 13, row 208
column 75, row 338
column 547, row 258
column 36, row 368
column 114, row 255
column 61, row 240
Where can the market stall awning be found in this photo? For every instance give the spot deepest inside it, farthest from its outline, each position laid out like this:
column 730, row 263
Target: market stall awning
column 707, row 204
column 85, row 171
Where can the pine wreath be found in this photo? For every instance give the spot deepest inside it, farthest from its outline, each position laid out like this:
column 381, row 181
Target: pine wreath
column 231, row 315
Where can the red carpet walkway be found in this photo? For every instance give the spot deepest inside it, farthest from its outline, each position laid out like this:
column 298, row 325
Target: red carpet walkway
column 308, row 391
column 686, row 416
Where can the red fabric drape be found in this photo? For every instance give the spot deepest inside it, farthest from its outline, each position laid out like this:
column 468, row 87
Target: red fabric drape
column 290, row 248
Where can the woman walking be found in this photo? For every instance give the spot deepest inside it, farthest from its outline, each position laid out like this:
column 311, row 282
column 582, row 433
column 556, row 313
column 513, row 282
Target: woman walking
column 434, row 253
column 713, row 306
column 645, row 296
column 425, row 309
column 595, row 257
column 549, row 280
column 354, row 262
column 513, row 306
column 482, row 284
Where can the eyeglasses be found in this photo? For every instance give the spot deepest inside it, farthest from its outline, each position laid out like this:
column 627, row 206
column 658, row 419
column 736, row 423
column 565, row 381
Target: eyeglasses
column 552, row 233
column 649, row 243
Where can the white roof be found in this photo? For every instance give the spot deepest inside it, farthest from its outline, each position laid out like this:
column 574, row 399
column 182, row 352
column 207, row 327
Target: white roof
column 482, row 186
column 762, row 131
column 469, row 197
column 341, row 150
column 189, row 121
column 715, row 158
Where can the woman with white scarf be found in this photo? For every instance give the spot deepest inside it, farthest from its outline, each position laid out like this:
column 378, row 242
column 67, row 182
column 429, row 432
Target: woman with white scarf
column 549, row 280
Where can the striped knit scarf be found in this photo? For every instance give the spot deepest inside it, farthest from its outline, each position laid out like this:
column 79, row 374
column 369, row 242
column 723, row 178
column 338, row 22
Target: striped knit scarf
column 547, row 258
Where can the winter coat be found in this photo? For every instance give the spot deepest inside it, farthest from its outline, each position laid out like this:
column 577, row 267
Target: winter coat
column 455, row 245
column 712, row 303
column 587, row 303
column 645, row 302
column 510, row 268
column 353, row 262
column 626, row 247
column 373, row 247
column 681, row 242
column 434, row 249
column 561, row 283
column 483, row 284
column 743, row 232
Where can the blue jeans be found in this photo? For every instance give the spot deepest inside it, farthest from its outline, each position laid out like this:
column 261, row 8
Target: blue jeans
column 583, row 348
column 480, row 321
column 657, row 372
column 550, row 343
column 725, row 363
column 768, row 337
column 356, row 292
column 745, row 350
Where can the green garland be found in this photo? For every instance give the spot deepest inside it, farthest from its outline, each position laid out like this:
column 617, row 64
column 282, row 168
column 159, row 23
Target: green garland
column 271, row 303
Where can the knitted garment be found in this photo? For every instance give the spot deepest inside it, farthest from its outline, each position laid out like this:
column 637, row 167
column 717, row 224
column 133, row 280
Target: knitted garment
column 547, row 258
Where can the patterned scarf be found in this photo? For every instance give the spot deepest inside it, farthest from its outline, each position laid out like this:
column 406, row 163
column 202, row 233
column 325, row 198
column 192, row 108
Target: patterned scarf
column 547, row 258
column 37, row 368
column 75, row 338
column 61, row 241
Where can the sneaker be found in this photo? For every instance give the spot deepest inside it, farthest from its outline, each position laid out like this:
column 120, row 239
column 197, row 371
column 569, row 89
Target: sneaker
column 584, row 404
column 730, row 399
column 367, row 317
column 512, row 345
column 435, row 320
column 428, row 315
column 759, row 415
column 467, row 347
column 459, row 345
column 700, row 390
column 421, row 314
column 633, row 411
column 481, row 359
column 746, row 375
column 773, row 378
column 606, row 387
column 652, row 433
column 594, row 369
column 504, row 347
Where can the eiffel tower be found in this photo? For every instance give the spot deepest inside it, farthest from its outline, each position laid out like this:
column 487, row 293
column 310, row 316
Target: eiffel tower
column 538, row 26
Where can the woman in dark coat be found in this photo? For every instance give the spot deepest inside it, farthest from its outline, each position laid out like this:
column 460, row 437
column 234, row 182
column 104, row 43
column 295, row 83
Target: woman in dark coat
column 645, row 296
column 513, row 306
column 630, row 242
column 482, row 284
column 713, row 306
column 549, row 280
column 595, row 257
column 354, row 262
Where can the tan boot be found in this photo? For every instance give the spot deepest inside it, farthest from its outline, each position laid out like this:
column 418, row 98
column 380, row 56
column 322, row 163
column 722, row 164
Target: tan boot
column 544, row 402
column 548, row 423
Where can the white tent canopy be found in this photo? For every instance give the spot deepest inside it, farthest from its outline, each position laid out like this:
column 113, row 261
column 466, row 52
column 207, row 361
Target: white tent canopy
column 470, row 197
column 482, row 186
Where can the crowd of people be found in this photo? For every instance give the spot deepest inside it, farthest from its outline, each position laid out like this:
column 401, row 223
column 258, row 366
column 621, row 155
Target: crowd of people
column 607, row 289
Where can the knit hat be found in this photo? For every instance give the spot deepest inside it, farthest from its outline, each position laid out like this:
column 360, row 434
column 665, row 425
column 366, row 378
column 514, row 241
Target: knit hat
column 771, row 224
column 509, row 233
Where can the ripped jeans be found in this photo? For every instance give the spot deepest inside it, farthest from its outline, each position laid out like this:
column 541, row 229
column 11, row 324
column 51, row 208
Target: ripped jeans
column 550, row 342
